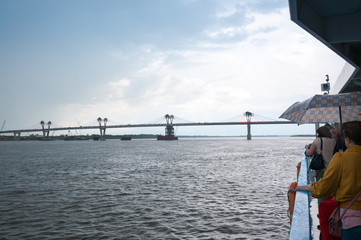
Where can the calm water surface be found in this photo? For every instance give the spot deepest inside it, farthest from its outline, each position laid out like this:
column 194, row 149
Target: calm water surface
column 221, row 188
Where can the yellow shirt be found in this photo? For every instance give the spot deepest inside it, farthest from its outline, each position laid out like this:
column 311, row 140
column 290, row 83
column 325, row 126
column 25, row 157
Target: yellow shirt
column 342, row 177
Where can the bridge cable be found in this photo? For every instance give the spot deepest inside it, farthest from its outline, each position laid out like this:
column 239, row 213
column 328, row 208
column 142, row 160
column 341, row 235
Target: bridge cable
column 262, row 118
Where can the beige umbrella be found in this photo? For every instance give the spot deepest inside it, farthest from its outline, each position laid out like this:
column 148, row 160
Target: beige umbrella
column 343, row 107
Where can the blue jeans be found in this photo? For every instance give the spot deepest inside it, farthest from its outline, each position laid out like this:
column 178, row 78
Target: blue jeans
column 351, row 233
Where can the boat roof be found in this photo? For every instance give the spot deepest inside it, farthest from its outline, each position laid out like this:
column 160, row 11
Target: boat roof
column 335, row 23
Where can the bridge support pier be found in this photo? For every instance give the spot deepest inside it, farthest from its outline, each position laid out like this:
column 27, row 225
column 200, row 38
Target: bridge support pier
column 249, row 137
column 169, row 129
column 248, row 117
column 48, row 131
column 102, row 128
column 17, row 136
column 45, row 131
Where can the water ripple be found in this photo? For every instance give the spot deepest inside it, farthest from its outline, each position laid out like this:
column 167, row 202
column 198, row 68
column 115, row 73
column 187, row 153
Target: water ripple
column 187, row 189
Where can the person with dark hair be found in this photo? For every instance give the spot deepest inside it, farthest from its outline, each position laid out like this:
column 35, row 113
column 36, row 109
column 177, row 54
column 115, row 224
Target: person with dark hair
column 328, row 126
column 340, row 143
column 343, row 178
column 324, row 137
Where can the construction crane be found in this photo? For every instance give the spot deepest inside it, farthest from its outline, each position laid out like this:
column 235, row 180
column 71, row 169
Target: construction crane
column 2, row 127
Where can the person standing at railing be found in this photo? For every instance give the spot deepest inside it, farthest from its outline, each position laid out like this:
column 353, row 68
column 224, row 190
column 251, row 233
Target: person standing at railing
column 328, row 144
column 343, row 178
column 340, row 144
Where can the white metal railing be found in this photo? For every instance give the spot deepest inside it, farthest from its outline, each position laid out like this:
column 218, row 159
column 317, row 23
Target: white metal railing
column 301, row 221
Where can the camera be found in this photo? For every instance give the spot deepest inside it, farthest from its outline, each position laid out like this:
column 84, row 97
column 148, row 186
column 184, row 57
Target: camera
column 325, row 87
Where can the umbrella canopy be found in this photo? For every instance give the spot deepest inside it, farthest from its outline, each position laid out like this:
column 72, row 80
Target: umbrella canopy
column 343, row 107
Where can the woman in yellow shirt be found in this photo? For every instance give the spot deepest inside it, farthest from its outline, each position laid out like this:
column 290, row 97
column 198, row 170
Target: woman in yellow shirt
column 343, row 179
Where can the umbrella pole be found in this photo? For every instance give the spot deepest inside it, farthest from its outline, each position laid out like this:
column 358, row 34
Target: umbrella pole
column 339, row 110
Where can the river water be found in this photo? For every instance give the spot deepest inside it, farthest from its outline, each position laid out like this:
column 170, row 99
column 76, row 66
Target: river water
column 214, row 188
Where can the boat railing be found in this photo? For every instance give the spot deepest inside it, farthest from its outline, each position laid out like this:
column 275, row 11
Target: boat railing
column 301, row 219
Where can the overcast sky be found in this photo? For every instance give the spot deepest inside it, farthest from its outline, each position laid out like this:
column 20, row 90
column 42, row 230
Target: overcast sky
column 134, row 61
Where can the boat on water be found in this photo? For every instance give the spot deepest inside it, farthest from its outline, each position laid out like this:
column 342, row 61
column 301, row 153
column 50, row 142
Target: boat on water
column 125, row 138
column 332, row 23
column 166, row 137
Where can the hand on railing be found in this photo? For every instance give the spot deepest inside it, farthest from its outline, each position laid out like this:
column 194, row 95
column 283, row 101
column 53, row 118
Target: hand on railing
column 303, row 187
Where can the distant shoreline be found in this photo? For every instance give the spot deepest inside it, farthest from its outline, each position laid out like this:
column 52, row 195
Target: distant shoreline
column 243, row 136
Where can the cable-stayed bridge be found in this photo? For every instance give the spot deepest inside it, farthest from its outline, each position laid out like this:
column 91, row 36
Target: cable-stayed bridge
column 169, row 123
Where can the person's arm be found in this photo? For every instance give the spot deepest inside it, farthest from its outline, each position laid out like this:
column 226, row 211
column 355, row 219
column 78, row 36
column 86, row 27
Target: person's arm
column 331, row 178
column 304, row 187
column 330, row 181
column 310, row 150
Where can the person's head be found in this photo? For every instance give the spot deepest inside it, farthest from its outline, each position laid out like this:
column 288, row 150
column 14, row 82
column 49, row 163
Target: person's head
column 323, row 132
column 352, row 131
column 335, row 132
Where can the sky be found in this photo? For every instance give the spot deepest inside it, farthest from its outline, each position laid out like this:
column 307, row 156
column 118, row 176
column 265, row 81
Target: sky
column 70, row 62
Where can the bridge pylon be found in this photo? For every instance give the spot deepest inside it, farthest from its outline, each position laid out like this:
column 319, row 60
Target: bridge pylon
column 248, row 115
column 169, row 129
column 47, row 134
column 102, row 128
column 45, row 131
column 17, row 135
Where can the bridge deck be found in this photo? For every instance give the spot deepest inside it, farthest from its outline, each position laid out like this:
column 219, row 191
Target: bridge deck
column 145, row 125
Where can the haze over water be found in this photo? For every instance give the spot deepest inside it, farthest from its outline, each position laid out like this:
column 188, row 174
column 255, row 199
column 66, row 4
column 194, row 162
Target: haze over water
column 216, row 188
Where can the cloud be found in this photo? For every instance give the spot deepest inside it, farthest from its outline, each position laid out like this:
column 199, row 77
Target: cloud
column 264, row 22
column 223, row 59
column 117, row 88
column 225, row 32
column 120, row 84
column 239, row 20
column 218, row 81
